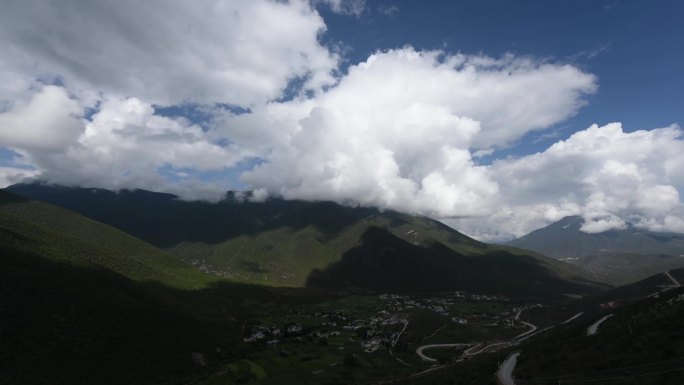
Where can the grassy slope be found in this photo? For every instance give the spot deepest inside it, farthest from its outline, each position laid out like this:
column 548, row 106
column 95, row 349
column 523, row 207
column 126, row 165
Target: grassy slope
column 63, row 235
column 275, row 242
column 286, row 256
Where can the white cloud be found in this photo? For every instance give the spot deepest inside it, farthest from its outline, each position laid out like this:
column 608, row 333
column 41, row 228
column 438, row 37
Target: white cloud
column 166, row 52
column 125, row 144
column 345, row 7
column 608, row 176
column 12, row 175
column 396, row 132
column 48, row 122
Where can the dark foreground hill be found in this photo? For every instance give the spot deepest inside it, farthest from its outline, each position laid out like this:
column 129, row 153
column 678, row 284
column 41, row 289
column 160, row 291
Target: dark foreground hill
column 295, row 243
column 641, row 343
column 84, row 303
column 615, row 256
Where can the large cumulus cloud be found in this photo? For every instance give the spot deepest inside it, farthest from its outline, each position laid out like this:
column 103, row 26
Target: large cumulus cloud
column 397, row 131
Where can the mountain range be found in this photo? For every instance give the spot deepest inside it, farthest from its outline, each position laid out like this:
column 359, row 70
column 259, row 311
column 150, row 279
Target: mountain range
column 295, row 243
column 616, row 256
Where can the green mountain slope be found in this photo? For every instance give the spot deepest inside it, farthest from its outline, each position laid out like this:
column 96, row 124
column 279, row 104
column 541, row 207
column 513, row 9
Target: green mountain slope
column 65, row 236
column 280, row 242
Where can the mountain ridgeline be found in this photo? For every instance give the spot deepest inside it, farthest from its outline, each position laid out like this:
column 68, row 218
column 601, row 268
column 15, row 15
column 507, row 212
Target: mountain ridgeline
column 564, row 239
column 615, row 256
column 321, row 244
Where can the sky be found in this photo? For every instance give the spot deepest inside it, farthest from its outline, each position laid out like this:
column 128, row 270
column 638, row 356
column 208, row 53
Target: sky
column 496, row 117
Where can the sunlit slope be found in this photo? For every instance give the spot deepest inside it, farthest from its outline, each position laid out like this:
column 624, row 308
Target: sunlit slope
column 65, row 236
column 286, row 255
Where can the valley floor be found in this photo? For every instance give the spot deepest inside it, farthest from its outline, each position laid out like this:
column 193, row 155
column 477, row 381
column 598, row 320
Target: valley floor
column 367, row 338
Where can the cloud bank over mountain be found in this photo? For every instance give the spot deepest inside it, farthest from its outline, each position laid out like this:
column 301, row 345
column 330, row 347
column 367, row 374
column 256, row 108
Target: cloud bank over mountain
column 278, row 113
column 607, row 176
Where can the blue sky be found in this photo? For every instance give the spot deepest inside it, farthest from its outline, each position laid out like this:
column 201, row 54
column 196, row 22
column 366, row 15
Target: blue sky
column 634, row 47
column 496, row 116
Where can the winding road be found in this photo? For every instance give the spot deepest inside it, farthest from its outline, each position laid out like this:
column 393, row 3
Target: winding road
column 471, row 352
column 567, row 321
column 593, row 328
column 505, row 373
column 479, row 348
column 533, row 328
column 406, row 323
column 425, row 358
column 676, row 283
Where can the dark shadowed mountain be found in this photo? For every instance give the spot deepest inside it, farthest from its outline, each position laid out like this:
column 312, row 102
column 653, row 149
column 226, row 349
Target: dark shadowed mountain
column 282, row 243
column 616, row 256
column 386, row 263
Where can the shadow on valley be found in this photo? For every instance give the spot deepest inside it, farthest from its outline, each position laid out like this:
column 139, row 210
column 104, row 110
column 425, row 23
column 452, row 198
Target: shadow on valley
column 66, row 324
column 383, row 262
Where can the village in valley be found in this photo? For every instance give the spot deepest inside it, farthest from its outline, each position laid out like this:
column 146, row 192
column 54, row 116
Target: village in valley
column 382, row 326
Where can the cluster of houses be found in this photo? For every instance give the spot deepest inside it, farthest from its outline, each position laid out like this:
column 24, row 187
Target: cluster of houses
column 271, row 335
column 438, row 304
column 381, row 330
